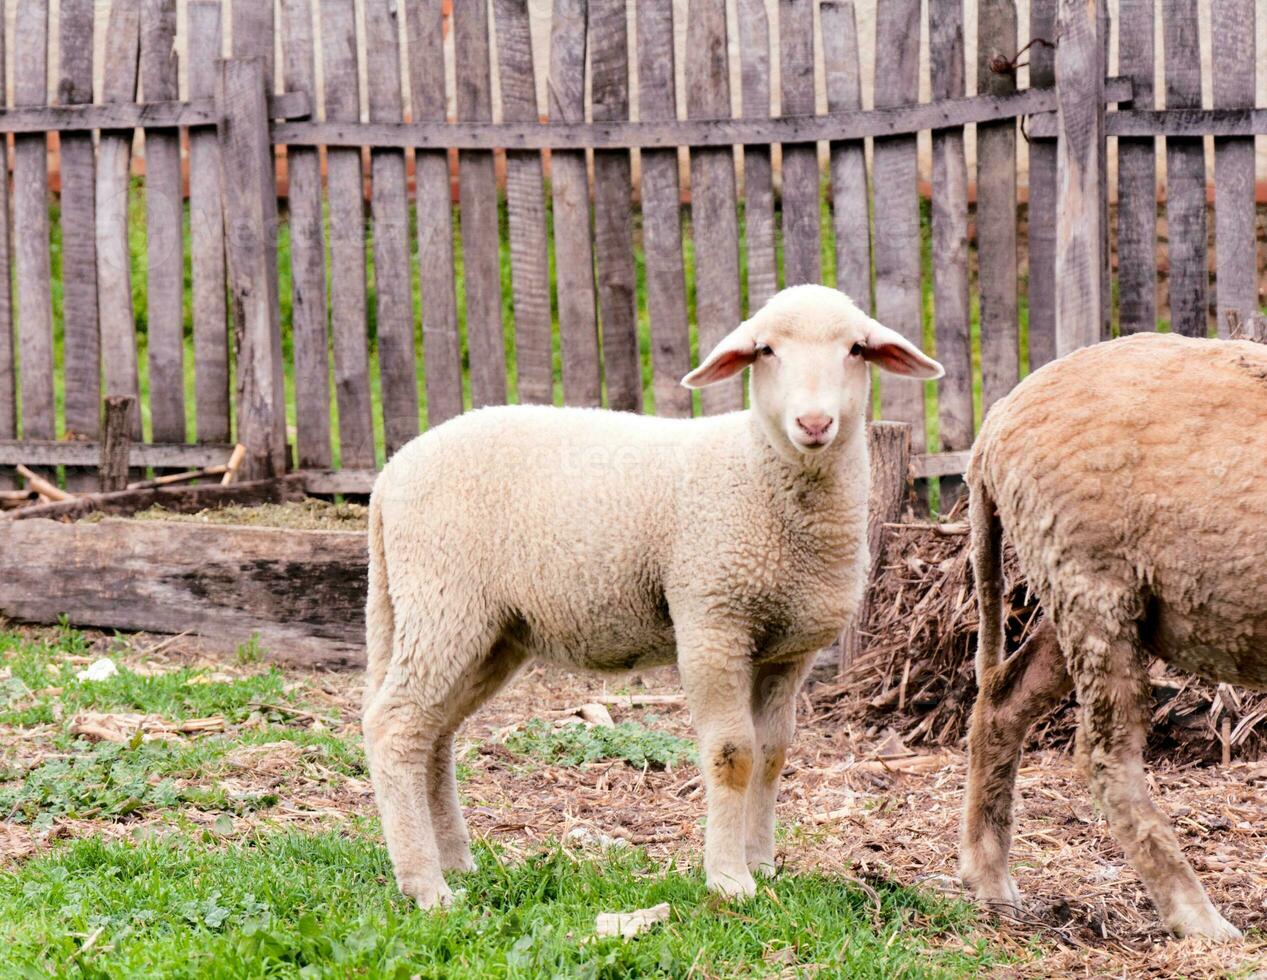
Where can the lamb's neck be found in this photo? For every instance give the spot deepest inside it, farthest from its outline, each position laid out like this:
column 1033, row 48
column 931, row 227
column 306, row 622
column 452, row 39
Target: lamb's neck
column 825, row 483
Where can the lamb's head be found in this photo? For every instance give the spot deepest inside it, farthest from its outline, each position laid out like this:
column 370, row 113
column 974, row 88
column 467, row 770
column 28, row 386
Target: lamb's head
column 809, row 348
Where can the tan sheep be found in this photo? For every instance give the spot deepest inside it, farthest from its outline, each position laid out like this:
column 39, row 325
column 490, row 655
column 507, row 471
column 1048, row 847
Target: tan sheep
column 1129, row 476
column 734, row 545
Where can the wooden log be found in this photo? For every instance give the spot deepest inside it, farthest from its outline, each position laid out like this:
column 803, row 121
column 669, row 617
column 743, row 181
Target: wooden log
column 889, row 455
column 1234, row 236
column 42, row 486
column 116, row 443
column 526, row 212
column 1041, row 211
column 802, row 225
column 1079, row 241
column 613, row 219
column 177, row 499
column 1136, row 178
column 851, row 202
column 898, row 299
column 477, row 191
column 310, row 335
column 171, row 479
column 30, row 227
column 83, row 453
column 758, row 172
column 301, row 594
column 8, row 377
column 662, row 217
column 715, row 224
column 1185, row 175
column 348, row 318
column 389, row 208
column 250, row 224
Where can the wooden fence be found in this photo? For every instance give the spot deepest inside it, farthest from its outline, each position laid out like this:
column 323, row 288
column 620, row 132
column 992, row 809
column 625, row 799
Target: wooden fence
column 362, row 359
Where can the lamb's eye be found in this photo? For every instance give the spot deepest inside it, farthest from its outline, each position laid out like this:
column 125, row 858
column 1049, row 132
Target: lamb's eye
column 764, row 350
column 856, row 350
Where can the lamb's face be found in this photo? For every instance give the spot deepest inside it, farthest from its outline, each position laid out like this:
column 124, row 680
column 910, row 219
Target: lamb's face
column 809, row 347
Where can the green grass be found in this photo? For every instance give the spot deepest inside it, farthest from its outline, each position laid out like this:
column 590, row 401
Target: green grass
column 575, row 744
column 325, row 905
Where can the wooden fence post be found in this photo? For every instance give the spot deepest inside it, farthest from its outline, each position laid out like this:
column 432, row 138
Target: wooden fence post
column 1079, row 214
column 116, row 443
column 250, row 221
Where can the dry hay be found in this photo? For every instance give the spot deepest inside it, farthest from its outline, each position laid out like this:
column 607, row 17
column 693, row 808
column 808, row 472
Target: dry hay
column 309, row 514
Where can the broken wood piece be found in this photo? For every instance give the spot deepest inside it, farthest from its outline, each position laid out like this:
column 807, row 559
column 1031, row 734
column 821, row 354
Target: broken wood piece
column 640, row 700
column 42, row 486
column 180, row 499
column 116, row 443
column 235, row 464
column 629, row 924
column 184, row 477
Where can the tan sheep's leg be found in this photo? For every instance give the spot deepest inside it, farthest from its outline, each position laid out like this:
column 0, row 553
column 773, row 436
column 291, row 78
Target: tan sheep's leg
column 774, row 689
column 1016, row 693
column 1115, row 697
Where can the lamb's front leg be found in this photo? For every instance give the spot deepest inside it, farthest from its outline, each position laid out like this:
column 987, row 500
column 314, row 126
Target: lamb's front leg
column 716, row 669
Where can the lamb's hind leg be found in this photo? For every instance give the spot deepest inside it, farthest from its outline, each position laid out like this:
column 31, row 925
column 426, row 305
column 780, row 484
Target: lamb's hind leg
column 1015, row 694
column 1111, row 671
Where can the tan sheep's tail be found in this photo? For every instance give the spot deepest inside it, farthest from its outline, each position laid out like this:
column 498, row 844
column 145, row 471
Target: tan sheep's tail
column 987, row 569
column 380, row 618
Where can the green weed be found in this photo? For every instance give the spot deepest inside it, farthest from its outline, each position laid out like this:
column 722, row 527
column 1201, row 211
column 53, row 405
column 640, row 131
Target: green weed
column 573, row 745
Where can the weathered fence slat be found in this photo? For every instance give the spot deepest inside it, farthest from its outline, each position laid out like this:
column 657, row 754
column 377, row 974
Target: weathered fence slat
column 662, row 217
column 897, row 256
column 574, row 257
column 164, row 234
column 253, row 34
column 477, row 191
column 345, row 180
column 613, row 219
column 389, row 209
column 1236, row 286
column 525, row 207
column 30, row 227
column 758, row 173
column 951, row 311
column 1041, row 212
column 1136, row 178
column 1185, row 175
column 996, row 209
column 851, row 203
column 8, row 378
column 441, row 342
column 714, row 222
column 42, row 452
column 307, row 254
column 802, row 224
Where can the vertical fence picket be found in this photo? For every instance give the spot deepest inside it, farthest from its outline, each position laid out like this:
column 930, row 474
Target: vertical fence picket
column 82, row 353
column 253, row 33
column 1136, row 177
column 574, row 257
column 346, row 192
column 30, row 226
column 613, row 220
column 996, row 208
column 441, row 342
column 525, row 208
column 713, row 218
column 1236, row 286
column 851, row 217
column 802, row 227
column 1041, row 212
column 307, row 254
column 898, row 301
column 389, row 208
column 758, row 172
column 1185, row 175
column 8, row 377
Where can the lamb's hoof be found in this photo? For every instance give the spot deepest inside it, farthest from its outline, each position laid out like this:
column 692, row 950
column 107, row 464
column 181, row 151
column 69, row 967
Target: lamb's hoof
column 460, row 861
column 1205, row 922
column 738, row 884
column 430, row 892
column 764, row 868
column 998, row 894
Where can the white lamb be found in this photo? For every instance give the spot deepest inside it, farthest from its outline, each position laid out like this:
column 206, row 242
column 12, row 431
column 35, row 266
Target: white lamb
column 734, row 545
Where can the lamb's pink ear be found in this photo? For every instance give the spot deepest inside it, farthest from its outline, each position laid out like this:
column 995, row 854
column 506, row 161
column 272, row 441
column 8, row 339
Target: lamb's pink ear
column 889, row 350
column 732, row 354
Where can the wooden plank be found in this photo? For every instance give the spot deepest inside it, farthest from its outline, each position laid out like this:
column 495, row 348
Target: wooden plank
column 1136, row 178
column 250, row 215
column 573, row 254
column 477, row 193
column 389, row 208
column 1041, row 211
column 114, row 259
column 715, row 224
column 1079, row 235
column 301, row 595
column 30, row 227
column 758, row 172
column 662, row 218
column 253, row 34
column 307, row 254
column 164, row 234
column 79, row 452
column 8, row 377
column 1234, row 237
column 442, row 345
column 526, row 211
column 348, row 321
column 851, row 202
column 897, row 256
column 613, row 219
column 930, row 465
column 206, row 235
column 1185, row 176
column 951, row 310
column 996, row 210
column 177, row 499
column 338, row 481
column 138, row 115
column 802, row 227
